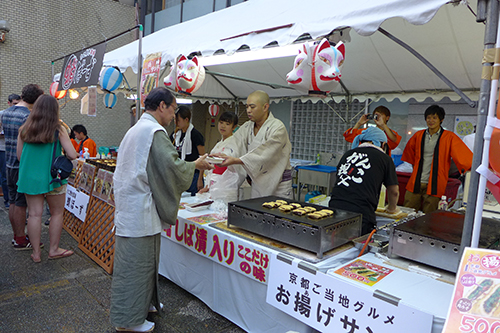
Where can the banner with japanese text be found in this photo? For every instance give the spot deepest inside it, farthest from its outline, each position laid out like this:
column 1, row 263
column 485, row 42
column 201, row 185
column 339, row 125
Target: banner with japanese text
column 231, row 251
column 150, row 74
column 81, row 69
column 330, row 304
column 475, row 306
column 76, row 202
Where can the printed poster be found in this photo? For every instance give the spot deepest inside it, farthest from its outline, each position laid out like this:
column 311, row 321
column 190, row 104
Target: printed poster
column 99, row 183
column 108, row 188
column 364, row 272
column 86, row 177
column 92, row 101
column 72, row 176
column 150, row 74
column 330, row 304
column 465, row 125
column 203, row 219
column 475, row 306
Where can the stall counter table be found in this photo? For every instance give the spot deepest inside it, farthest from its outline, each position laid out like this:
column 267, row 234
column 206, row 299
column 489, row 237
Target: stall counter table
column 226, row 288
column 229, row 286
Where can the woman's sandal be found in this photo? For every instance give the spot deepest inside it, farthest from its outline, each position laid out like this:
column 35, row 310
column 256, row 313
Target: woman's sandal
column 35, row 260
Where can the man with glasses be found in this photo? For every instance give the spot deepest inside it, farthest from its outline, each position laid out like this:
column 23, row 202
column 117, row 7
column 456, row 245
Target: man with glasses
column 148, row 182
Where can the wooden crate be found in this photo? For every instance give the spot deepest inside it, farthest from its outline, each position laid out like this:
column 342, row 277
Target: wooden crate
column 98, row 234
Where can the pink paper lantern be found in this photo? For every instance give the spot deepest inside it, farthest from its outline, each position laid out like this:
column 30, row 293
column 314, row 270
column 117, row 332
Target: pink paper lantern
column 58, row 94
column 213, row 109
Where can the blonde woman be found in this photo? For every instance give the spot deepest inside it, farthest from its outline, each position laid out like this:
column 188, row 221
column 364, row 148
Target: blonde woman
column 35, row 146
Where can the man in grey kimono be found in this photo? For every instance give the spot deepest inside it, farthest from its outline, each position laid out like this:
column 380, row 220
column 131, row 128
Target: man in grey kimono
column 148, row 182
column 264, row 149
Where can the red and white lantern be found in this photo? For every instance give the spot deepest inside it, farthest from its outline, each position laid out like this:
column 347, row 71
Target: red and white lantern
column 213, row 109
column 58, row 94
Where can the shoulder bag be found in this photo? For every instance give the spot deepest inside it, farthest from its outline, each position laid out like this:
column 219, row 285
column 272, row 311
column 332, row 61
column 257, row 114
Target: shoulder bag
column 61, row 166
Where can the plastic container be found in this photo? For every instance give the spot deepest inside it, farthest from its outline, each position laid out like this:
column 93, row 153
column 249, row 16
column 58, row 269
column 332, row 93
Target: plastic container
column 103, row 151
column 443, row 204
column 381, row 199
column 311, row 195
column 86, row 153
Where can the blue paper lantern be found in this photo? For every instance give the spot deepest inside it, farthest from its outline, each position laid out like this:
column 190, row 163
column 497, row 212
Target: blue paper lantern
column 110, row 79
column 109, row 100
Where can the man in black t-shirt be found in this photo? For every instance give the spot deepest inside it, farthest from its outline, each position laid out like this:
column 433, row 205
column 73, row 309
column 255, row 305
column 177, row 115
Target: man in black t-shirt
column 360, row 175
column 191, row 147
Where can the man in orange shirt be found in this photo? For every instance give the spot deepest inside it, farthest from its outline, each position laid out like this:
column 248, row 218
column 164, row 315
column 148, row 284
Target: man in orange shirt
column 430, row 152
column 85, row 142
column 381, row 116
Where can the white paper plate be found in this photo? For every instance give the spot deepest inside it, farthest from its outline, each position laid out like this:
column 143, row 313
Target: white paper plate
column 214, row 160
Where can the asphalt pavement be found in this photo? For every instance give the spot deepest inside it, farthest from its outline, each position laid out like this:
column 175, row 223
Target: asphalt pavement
column 73, row 294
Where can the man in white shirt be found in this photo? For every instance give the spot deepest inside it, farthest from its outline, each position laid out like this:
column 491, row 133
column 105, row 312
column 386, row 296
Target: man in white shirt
column 265, row 147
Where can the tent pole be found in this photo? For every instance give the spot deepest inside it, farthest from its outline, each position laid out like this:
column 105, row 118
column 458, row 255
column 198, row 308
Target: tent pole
column 482, row 112
column 222, row 84
column 234, row 77
column 450, row 84
column 138, row 109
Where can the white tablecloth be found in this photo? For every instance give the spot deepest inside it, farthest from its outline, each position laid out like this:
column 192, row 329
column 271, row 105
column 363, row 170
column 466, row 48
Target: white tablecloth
column 222, row 283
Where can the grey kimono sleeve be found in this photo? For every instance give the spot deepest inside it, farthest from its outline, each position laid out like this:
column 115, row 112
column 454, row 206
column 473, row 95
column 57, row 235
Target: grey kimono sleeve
column 168, row 176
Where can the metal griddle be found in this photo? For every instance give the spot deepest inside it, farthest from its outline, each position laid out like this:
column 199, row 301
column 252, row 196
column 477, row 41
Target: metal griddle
column 318, row 236
column 434, row 239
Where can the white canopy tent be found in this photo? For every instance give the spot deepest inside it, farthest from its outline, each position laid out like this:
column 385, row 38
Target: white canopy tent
column 375, row 66
column 443, row 32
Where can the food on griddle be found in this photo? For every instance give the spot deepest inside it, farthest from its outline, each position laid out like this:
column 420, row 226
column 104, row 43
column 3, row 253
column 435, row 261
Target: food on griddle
column 300, row 211
column 323, row 214
column 481, row 289
column 327, row 211
column 309, row 209
column 295, row 205
column 270, row 204
column 315, row 215
column 283, row 202
column 285, row 208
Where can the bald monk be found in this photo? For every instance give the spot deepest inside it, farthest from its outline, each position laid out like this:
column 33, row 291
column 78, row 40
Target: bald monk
column 264, row 149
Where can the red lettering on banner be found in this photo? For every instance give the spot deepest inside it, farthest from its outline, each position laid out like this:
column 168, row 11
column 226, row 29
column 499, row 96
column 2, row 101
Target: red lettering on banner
column 245, row 267
column 259, row 274
column 178, row 237
column 189, row 232
column 216, row 249
column 201, row 240
column 230, row 255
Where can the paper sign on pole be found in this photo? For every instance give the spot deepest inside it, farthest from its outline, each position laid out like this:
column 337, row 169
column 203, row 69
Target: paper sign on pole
column 92, row 101
column 329, row 304
column 475, row 306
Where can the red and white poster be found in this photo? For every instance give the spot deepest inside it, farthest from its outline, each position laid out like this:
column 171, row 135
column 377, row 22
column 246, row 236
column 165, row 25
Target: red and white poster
column 475, row 307
column 364, row 272
column 150, row 74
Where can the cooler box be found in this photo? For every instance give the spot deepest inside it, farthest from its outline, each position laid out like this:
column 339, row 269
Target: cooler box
column 450, row 192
